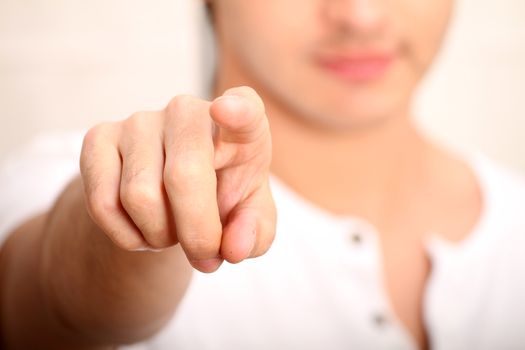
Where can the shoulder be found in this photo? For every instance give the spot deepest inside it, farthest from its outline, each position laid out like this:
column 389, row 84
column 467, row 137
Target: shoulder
column 500, row 183
column 503, row 195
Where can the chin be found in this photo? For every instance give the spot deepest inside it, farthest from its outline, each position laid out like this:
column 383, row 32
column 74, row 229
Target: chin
column 347, row 119
column 360, row 113
column 361, row 121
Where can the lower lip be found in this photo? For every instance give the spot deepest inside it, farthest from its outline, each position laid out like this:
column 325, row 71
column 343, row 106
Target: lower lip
column 358, row 70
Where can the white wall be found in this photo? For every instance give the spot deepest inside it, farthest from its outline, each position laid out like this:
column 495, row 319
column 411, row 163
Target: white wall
column 475, row 96
column 71, row 63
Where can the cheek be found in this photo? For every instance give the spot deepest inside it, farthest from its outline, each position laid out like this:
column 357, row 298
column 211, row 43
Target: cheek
column 276, row 49
column 265, row 21
column 275, row 24
column 425, row 24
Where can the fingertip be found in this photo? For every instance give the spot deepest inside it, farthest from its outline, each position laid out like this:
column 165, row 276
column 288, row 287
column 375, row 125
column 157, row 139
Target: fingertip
column 228, row 110
column 238, row 241
column 245, row 91
column 207, row 265
column 239, row 110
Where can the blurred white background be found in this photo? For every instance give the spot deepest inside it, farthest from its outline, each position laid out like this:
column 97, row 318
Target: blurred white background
column 68, row 64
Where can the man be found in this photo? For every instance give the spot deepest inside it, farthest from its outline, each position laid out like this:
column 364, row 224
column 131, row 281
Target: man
column 384, row 239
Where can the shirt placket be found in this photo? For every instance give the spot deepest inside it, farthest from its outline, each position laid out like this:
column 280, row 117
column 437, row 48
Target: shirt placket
column 363, row 260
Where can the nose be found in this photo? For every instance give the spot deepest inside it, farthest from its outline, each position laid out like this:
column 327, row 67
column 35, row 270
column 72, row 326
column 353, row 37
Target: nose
column 359, row 17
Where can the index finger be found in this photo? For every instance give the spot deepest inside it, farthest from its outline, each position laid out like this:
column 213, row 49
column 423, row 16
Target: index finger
column 240, row 115
column 242, row 131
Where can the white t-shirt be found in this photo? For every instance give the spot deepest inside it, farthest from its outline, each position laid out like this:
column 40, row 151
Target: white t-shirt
column 318, row 287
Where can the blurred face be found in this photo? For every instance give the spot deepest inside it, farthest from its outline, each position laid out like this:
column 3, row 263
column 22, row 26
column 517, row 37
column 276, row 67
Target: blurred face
column 336, row 63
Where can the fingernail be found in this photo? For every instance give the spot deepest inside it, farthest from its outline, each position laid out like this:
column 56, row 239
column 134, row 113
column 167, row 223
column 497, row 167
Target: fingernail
column 227, row 98
column 253, row 234
column 207, row 265
column 146, row 249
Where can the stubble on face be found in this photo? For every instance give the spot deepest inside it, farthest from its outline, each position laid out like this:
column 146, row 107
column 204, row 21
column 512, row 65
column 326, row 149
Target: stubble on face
column 276, row 47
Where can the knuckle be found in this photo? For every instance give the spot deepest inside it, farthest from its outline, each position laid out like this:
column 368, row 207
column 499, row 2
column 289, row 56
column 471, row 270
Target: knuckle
column 137, row 174
column 139, row 129
column 159, row 238
column 126, row 242
column 184, row 172
column 138, row 197
column 101, row 208
column 96, row 137
column 95, row 133
column 199, row 248
column 189, row 167
column 179, row 104
column 138, row 121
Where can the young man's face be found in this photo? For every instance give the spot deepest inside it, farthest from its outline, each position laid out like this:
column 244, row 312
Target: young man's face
column 338, row 63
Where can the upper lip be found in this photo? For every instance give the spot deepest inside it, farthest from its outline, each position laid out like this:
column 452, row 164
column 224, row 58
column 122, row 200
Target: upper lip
column 355, row 56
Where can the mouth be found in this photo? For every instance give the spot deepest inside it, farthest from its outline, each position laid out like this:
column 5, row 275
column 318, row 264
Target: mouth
column 357, row 67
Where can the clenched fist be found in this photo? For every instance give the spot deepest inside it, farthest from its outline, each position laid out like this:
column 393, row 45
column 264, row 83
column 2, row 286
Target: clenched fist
column 194, row 174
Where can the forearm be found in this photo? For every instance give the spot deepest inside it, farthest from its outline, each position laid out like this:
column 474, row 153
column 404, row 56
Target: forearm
column 163, row 179
column 88, row 289
column 23, row 310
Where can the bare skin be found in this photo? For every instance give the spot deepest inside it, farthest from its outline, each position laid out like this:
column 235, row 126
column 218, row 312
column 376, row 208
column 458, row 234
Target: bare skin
column 192, row 180
column 349, row 144
column 411, row 189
